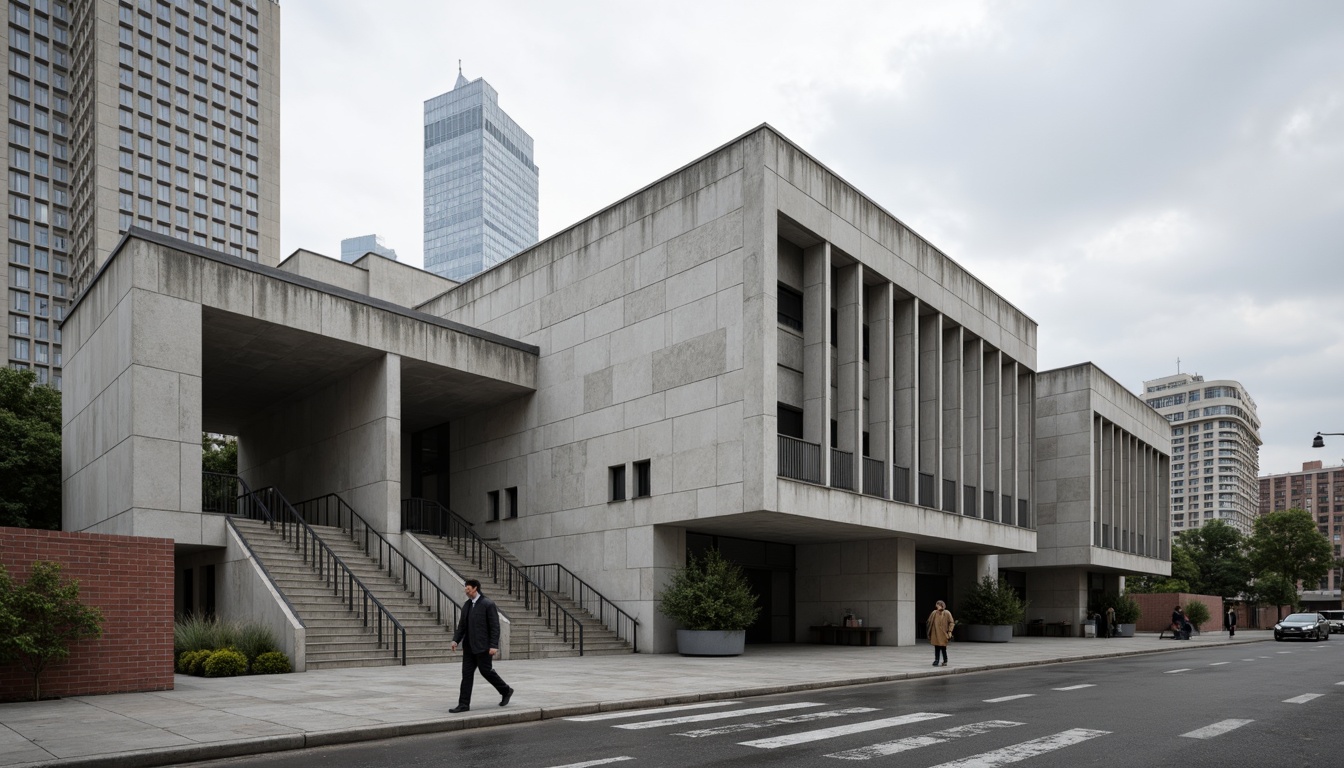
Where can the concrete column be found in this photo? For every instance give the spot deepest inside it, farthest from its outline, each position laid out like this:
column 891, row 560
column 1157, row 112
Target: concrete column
column 1026, row 442
column 930, row 403
column 973, row 432
column 905, row 391
column 993, row 419
column 817, row 351
column 906, row 615
column 760, row 344
column 132, row 399
column 953, row 412
column 880, row 395
column 849, row 367
column 1008, row 441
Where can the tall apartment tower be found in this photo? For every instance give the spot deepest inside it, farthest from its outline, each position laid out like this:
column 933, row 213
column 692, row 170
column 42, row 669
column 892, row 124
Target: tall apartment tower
column 480, row 182
column 162, row 114
column 352, row 248
column 1319, row 490
column 1215, row 450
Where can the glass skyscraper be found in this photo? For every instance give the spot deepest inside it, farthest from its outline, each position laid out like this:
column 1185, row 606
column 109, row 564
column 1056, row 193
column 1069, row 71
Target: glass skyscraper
column 480, row 182
column 353, row 248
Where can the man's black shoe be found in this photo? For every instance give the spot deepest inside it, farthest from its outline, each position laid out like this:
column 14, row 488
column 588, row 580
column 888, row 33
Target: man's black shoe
column 460, row 708
column 507, row 695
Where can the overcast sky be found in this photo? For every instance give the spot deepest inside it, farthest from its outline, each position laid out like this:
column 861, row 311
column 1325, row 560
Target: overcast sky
column 1147, row 180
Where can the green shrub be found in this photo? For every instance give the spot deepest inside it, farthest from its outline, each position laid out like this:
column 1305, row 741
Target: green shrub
column 225, row 662
column 710, row 593
column 992, row 602
column 1197, row 613
column 1127, row 610
column 189, row 663
column 271, row 663
column 253, row 640
column 198, row 633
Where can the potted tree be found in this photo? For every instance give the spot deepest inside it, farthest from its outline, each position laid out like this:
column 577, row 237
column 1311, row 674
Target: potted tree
column 990, row 610
column 710, row 598
column 1126, row 615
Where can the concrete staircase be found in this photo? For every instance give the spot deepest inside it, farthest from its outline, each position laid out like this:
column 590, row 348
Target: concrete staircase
column 530, row 637
column 336, row 636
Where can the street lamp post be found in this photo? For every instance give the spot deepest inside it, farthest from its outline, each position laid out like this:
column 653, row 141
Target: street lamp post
column 1319, row 441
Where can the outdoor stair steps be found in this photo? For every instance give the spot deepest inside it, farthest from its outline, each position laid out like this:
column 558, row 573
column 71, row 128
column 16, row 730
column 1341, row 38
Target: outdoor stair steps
column 335, row 636
column 530, row 637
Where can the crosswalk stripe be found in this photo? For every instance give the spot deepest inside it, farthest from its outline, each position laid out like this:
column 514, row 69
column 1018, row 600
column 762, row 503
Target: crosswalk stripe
column 806, row 717
column 1340, row 682
column 591, row 763
column 840, row 730
column 1303, row 699
column 718, row 715
column 1026, row 749
column 1217, row 729
column 915, row 742
column 642, row 712
column 1174, row 671
column 1020, row 696
column 1075, row 687
column 1219, row 663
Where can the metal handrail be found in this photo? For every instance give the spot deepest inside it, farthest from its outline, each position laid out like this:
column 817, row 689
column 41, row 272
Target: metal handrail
column 213, row 487
column 427, row 516
column 329, row 567
column 626, row 626
column 319, row 511
column 265, row 571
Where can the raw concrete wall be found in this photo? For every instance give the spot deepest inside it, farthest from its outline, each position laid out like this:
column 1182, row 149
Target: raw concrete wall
column 345, row 438
column 247, row 594
column 874, row 578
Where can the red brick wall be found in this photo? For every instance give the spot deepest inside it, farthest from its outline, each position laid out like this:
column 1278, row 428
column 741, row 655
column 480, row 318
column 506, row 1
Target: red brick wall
column 1155, row 610
column 131, row 579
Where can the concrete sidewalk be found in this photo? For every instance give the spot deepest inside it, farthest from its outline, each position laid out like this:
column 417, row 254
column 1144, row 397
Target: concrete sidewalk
column 213, row 718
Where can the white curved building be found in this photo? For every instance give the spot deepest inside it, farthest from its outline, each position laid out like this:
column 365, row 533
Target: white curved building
column 1215, row 449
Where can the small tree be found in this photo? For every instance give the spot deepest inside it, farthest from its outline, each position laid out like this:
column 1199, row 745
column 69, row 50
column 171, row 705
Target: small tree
column 710, row 593
column 1278, row 591
column 42, row 619
column 30, row 452
column 1197, row 613
column 992, row 602
column 1288, row 543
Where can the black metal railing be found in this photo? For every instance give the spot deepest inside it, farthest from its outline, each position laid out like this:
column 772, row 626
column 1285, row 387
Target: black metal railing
column 554, row 577
column 900, row 484
column 431, row 517
column 842, row 469
column 266, row 572
column 925, row 489
column 872, row 477
column 223, row 494
column 799, row 459
column 271, row 506
column 332, row 510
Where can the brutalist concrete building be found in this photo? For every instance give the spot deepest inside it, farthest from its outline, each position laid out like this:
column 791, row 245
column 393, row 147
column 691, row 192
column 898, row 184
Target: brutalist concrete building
column 747, row 354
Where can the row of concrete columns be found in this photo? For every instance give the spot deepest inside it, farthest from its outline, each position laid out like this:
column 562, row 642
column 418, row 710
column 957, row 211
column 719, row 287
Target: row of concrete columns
column 1131, row 477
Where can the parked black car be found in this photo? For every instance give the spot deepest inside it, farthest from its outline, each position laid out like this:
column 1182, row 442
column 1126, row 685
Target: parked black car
column 1304, row 626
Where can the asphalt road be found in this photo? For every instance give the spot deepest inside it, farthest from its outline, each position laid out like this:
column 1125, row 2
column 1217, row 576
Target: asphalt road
column 1263, row 704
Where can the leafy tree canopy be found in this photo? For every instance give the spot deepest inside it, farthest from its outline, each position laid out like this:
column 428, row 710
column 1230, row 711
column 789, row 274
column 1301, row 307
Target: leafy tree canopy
column 30, row 452
column 1287, row 543
column 219, row 454
column 41, row 619
column 1217, row 559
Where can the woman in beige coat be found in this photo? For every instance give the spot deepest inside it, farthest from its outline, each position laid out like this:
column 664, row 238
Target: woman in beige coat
column 940, row 625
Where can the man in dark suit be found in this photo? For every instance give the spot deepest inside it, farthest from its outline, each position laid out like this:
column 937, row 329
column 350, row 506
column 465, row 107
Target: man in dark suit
column 478, row 631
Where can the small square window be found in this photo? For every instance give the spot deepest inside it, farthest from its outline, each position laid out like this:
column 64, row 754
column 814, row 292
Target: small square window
column 643, row 478
column 494, row 504
column 512, row 495
column 616, row 482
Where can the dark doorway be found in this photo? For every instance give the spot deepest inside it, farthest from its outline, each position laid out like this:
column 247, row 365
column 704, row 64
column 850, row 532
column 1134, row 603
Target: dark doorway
column 188, row 592
column 208, row 590
column 769, row 568
column 933, row 582
column 429, row 464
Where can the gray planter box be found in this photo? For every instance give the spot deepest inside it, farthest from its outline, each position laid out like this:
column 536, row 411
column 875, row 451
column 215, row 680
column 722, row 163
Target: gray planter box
column 989, row 633
column 711, row 642
column 1124, row 630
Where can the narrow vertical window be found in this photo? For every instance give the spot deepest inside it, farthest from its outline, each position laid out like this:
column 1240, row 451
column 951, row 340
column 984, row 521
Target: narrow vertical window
column 616, row 478
column 494, row 504
column 512, row 494
column 643, row 478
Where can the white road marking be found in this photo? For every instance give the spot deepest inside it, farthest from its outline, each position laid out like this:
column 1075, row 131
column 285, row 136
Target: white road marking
column 803, row 718
column 1020, row 696
column 1075, row 687
column 642, row 712
column 1217, row 729
column 594, row 762
column 840, row 730
column 1174, row 671
column 1026, row 749
column 1303, row 699
column 1219, row 663
column 1248, row 659
column 915, row 742
column 1283, row 651
column 1340, row 683
column 718, row 715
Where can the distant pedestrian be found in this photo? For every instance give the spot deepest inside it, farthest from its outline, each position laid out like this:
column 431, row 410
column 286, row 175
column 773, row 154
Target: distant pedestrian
column 940, row 624
column 478, row 631
column 1230, row 622
column 1110, row 621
